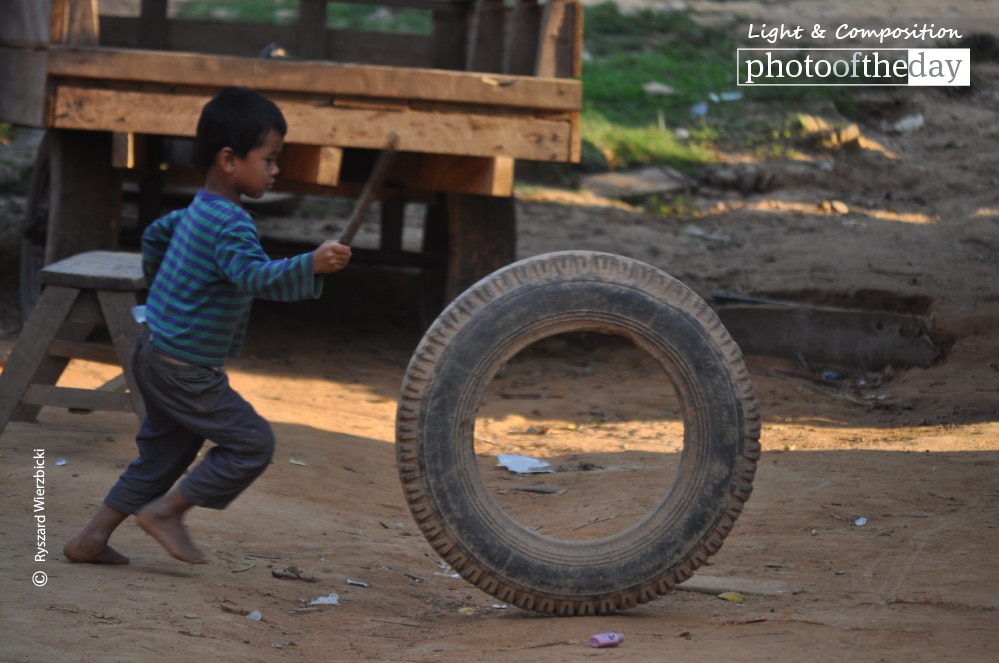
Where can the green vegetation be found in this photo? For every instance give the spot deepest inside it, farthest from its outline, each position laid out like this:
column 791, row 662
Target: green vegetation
column 627, row 52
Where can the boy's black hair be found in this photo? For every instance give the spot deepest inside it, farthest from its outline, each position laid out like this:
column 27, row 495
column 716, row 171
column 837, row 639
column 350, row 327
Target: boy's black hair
column 238, row 118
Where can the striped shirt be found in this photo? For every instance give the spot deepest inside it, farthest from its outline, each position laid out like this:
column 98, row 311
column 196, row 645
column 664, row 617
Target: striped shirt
column 205, row 265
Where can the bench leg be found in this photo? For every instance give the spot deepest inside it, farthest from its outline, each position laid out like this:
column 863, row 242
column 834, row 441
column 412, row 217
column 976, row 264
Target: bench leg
column 117, row 308
column 31, row 350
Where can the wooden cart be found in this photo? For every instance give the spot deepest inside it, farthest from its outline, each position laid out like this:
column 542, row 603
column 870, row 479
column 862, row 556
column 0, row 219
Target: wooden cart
column 490, row 85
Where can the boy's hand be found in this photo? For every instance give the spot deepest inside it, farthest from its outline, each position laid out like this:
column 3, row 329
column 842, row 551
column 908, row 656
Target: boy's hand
column 330, row 257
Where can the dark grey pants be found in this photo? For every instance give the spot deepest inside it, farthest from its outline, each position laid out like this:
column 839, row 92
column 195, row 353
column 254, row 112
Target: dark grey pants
column 186, row 405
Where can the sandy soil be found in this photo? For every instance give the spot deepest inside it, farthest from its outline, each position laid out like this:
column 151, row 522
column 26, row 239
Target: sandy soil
column 913, row 451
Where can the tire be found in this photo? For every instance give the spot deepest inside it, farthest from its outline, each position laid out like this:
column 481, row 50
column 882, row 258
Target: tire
column 489, row 324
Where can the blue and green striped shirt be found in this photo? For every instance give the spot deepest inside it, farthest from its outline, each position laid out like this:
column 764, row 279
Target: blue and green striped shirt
column 204, row 265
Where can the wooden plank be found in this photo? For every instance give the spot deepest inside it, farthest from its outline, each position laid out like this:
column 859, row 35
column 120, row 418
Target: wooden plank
column 574, row 49
column 433, row 132
column 412, row 176
column 74, row 22
column 521, row 50
column 576, row 141
column 486, row 37
column 25, row 23
column 98, row 270
column 22, row 79
column 457, row 174
column 77, row 399
column 319, row 78
column 97, row 352
column 123, row 148
column 217, row 38
column 561, row 43
column 311, row 163
column 430, row 5
column 380, row 48
column 85, row 197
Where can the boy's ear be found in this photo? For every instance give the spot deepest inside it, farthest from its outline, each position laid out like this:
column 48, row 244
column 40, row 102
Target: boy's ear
column 225, row 159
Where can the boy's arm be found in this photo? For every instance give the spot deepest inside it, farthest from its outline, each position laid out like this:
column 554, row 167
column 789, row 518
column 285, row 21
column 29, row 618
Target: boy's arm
column 155, row 241
column 243, row 261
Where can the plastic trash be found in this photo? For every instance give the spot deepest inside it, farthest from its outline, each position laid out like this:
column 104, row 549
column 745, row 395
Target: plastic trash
column 655, row 87
column 860, row 522
column 610, row 639
column 255, row 616
column 330, row 599
column 522, row 464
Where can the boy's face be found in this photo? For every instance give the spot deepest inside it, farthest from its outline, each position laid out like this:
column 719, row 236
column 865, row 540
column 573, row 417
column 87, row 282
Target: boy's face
column 254, row 175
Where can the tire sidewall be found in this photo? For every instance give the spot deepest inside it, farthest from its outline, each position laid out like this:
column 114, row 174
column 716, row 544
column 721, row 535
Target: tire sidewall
column 690, row 508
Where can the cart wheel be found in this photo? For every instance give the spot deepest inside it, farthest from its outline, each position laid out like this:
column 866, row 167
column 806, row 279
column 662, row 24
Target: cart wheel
column 675, row 532
column 34, row 227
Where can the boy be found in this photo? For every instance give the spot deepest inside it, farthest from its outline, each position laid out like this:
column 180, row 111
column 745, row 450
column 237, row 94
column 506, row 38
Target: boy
column 204, row 265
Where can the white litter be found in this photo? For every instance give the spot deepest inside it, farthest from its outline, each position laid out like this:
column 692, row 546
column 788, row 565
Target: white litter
column 522, row 464
column 655, row 87
column 329, row 599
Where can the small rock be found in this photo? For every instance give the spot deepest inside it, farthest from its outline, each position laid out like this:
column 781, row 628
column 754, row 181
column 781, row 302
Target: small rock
column 834, row 207
column 908, row 124
column 639, row 183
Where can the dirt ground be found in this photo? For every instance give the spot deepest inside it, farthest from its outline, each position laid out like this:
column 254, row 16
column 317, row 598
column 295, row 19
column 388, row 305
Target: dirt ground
column 870, row 535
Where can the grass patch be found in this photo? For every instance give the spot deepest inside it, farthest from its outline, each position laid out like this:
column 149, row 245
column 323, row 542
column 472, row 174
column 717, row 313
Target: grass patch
column 625, row 146
column 665, row 47
column 631, row 126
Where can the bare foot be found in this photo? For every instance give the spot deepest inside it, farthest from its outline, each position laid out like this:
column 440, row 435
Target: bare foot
column 169, row 531
column 79, row 549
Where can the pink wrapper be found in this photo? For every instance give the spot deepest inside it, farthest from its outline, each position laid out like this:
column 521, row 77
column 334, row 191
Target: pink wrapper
column 606, row 639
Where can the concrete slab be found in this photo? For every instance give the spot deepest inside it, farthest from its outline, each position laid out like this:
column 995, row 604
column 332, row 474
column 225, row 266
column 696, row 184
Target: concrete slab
column 714, row 585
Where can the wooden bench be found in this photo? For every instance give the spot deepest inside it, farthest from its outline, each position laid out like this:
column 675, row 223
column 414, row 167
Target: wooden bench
column 82, row 294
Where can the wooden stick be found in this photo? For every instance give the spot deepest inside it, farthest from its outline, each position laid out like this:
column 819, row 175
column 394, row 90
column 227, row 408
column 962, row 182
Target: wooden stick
column 371, row 188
